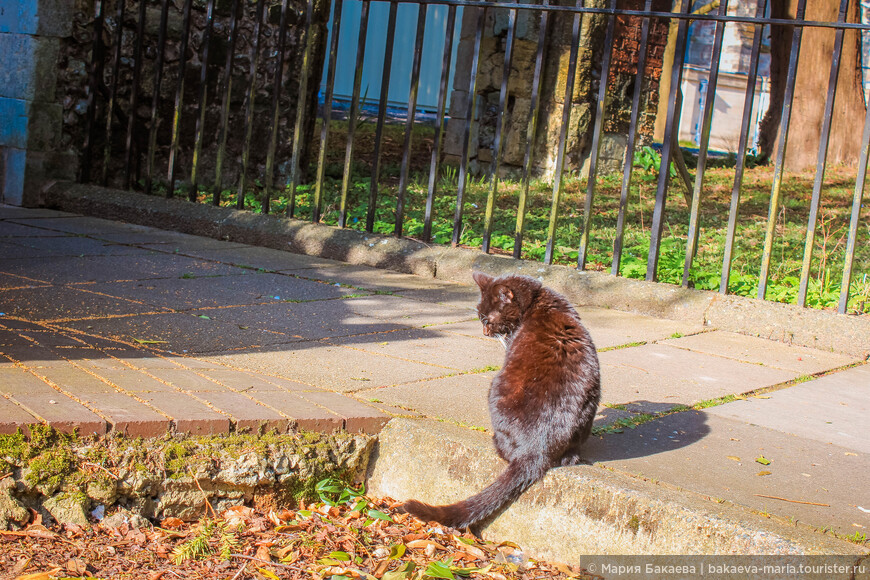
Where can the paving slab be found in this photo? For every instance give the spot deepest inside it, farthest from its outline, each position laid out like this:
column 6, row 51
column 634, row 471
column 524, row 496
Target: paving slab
column 255, row 257
column 755, row 350
column 12, row 281
column 15, row 212
column 401, row 310
column 79, row 270
column 14, row 417
column 10, row 229
column 187, row 293
column 134, row 381
column 430, row 346
column 251, row 383
column 455, row 295
column 716, row 457
column 329, row 367
column 67, row 303
column 188, row 414
column 180, row 332
column 305, row 414
column 248, row 414
column 67, row 246
column 165, row 240
column 309, row 320
column 656, row 377
column 77, row 224
column 358, row 418
column 367, row 278
column 834, row 409
column 610, row 328
column 48, row 404
column 462, row 399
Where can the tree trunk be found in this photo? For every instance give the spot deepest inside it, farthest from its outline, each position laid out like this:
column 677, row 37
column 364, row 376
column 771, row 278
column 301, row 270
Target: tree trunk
column 811, row 88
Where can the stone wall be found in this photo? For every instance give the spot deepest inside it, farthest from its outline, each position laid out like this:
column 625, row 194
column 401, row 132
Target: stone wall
column 46, row 48
column 588, row 72
column 218, row 49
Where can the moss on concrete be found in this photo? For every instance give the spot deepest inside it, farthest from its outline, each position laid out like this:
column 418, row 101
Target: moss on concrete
column 173, row 475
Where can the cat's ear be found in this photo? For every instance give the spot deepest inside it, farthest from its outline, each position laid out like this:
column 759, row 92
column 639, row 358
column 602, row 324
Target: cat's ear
column 482, row 279
column 505, row 296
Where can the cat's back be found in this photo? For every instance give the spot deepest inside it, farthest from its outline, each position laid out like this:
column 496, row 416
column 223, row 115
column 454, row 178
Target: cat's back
column 553, row 323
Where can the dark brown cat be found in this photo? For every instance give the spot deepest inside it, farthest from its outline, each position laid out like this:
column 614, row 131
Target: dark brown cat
column 542, row 402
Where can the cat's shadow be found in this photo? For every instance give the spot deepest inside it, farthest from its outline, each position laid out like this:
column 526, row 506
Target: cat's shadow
column 663, row 434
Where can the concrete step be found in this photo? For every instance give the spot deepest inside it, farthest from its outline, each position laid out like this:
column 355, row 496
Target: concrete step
column 581, row 510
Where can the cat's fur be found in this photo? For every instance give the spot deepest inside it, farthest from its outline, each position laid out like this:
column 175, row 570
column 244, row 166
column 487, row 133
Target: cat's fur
column 543, row 400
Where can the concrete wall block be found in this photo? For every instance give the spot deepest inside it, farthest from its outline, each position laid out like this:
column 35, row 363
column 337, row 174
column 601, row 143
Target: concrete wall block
column 25, row 173
column 30, row 125
column 43, row 17
column 29, row 70
column 12, row 184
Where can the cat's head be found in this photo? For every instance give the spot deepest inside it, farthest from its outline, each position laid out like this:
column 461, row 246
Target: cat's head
column 503, row 302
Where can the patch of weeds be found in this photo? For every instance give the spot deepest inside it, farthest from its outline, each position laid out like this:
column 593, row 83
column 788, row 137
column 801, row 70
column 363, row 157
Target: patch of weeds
column 620, row 425
column 622, row 346
column 615, row 406
column 187, row 276
column 716, row 402
column 676, row 335
column 211, row 537
column 485, row 369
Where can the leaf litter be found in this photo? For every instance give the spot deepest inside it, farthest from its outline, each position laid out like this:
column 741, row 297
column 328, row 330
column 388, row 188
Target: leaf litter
column 344, row 536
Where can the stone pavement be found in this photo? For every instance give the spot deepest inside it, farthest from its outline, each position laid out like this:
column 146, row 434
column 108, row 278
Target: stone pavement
column 115, row 327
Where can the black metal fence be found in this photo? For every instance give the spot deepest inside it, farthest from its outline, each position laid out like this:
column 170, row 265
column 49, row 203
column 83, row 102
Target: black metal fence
column 108, row 139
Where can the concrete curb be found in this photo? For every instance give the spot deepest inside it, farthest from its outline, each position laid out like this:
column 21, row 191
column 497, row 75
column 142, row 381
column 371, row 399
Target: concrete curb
column 581, row 510
column 820, row 329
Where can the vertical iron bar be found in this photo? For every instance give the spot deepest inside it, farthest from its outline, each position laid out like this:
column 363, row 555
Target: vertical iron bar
column 113, row 89
column 276, row 105
column 225, row 104
column 499, row 129
column 856, row 213
column 354, row 112
column 95, row 72
column 155, row 101
column 327, row 112
column 422, row 13
column 179, row 97
column 823, row 155
column 469, row 120
column 741, row 151
column 668, row 141
column 628, row 162
column 435, row 161
column 134, row 96
column 249, row 110
column 563, row 135
column 706, row 120
column 596, row 140
column 301, row 105
column 382, row 114
column 201, row 102
column 531, row 133
column 773, row 212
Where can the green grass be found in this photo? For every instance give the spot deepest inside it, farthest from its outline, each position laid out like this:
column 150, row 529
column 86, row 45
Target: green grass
column 787, row 255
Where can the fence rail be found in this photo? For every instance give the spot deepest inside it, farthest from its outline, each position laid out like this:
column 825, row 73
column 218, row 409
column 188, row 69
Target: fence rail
column 202, row 113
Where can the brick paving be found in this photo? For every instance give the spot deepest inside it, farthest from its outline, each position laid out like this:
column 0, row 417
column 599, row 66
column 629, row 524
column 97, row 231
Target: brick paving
column 102, row 324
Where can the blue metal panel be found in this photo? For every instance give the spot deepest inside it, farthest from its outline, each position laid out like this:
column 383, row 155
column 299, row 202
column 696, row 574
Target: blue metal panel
column 403, row 52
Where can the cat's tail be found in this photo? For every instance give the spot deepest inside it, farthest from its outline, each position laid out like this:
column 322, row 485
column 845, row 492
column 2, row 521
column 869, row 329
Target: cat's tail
column 519, row 476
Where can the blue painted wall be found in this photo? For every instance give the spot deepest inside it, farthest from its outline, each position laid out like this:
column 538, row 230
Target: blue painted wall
column 403, row 52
